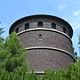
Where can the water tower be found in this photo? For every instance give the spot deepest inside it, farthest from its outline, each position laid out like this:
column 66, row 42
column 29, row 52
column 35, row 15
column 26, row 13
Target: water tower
column 47, row 40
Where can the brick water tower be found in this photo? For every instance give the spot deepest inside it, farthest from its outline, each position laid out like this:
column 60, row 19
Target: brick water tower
column 47, row 40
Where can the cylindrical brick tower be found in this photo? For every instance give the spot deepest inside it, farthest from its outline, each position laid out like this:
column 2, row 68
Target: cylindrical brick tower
column 47, row 40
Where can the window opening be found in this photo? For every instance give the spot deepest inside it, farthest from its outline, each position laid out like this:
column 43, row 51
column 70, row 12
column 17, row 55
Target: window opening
column 53, row 25
column 17, row 30
column 40, row 24
column 26, row 26
column 40, row 36
column 64, row 30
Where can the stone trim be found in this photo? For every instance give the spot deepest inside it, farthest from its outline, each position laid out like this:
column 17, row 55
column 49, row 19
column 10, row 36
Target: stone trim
column 45, row 29
column 37, row 72
column 52, row 48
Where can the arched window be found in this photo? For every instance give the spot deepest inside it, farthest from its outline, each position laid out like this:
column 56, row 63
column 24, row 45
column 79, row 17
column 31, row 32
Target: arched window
column 17, row 30
column 64, row 29
column 40, row 23
column 26, row 26
column 53, row 25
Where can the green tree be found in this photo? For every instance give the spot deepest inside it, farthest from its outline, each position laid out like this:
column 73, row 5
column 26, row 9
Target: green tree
column 1, row 31
column 12, row 55
column 17, row 53
column 2, row 50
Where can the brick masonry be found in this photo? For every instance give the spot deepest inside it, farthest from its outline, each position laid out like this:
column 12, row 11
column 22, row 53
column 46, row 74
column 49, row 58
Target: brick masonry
column 42, row 59
column 48, row 38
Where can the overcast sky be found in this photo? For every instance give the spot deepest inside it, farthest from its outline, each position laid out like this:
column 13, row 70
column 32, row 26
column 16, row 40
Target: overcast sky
column 12, row 10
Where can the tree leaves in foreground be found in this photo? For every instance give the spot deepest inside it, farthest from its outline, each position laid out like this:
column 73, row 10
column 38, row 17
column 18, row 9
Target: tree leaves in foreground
column 12, row 55
column 16, row 52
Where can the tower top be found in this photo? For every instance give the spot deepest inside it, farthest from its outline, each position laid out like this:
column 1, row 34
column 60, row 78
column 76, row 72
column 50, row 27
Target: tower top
column 41, row 16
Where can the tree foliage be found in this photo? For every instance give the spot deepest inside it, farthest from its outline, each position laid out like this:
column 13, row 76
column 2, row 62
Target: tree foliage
column 11, row 58
column 16, row 52
column 1, row 31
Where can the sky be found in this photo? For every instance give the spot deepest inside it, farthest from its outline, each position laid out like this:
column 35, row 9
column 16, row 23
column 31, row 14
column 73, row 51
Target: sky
column 69, row 10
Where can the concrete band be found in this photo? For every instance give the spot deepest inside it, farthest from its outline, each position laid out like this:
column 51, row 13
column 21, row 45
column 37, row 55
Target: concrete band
column 37, row 72
column 51, row 48
column 45, row 29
